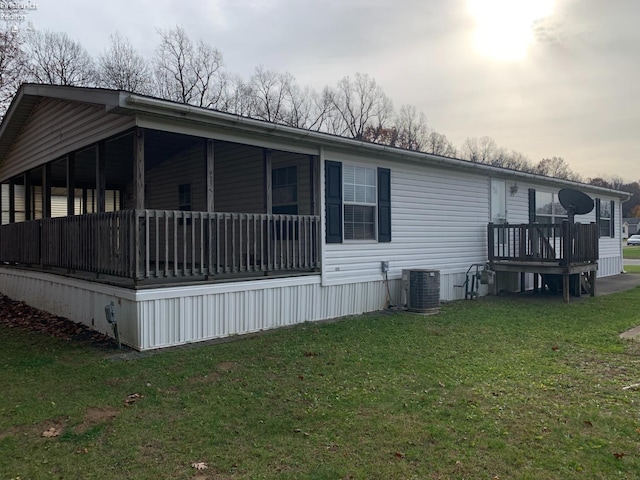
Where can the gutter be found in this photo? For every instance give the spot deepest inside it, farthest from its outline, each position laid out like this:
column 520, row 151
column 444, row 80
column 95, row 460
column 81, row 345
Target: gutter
column 183, row 111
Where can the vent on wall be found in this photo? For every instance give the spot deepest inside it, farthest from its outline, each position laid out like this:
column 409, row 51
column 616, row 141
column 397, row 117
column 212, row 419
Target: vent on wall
column 422, row 290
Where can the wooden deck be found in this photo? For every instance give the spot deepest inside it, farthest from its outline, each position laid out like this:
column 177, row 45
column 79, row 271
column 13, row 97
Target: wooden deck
column 156, row 246
column 563, row 257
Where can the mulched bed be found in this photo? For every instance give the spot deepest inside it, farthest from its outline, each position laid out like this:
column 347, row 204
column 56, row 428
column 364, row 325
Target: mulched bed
column 14, row 314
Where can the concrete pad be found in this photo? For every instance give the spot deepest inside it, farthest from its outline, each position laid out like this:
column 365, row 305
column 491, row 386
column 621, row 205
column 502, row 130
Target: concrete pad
column 617, row 283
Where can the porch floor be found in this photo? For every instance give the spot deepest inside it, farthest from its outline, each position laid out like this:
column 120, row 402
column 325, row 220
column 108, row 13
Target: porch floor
column 165, row 281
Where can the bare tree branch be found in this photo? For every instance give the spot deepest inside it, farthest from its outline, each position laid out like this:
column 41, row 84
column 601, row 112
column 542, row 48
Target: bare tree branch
column 123, row 68
column 186, row 73
column 57, row 59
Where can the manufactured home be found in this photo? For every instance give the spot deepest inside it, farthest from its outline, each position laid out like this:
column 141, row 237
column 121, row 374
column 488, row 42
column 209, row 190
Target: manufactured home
column 198, row 224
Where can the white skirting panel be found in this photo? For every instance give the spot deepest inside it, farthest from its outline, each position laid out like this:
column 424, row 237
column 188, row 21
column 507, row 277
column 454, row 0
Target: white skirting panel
column 609, row 266
column 175, row 316
column 78, row 300
column 162, row 317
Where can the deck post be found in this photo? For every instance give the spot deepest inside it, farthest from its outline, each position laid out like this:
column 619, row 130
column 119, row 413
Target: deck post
column 138, row 169
column 46, row 191
column 101, row 177
column 209, row 152
column 268, row 192
column 490, row 242
column 12, row 200
column 565, row 286
column 565, row 258
column 27, row 197
column 71, row 184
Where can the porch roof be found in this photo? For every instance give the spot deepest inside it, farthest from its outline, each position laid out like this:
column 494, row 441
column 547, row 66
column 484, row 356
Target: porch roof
column 127, row 103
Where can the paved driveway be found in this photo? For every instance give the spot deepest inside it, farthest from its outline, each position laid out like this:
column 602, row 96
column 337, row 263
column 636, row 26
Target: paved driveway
column 631, row 261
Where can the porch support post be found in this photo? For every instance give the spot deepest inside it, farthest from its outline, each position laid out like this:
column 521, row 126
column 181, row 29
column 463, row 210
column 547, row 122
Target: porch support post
column 12, row 201
column 27, row 197
column 268, row 198
column 101, row 177
column 46, row 191
column 138, row 169
column 71, row 184
column 85, row 210
column 209, row 152
column 314, row 188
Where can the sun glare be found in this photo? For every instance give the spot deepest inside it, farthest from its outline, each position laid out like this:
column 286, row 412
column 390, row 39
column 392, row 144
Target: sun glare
column 504, row 28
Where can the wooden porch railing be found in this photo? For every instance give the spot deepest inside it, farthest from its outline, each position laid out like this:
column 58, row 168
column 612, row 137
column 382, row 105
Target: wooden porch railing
column 564, row 243
column 146, row 244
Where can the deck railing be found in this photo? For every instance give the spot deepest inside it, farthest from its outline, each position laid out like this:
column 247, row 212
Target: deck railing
column 561, row 243
column 146, row 244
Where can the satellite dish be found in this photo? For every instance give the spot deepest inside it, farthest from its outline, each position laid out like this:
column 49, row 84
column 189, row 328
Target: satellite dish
column 575, row 202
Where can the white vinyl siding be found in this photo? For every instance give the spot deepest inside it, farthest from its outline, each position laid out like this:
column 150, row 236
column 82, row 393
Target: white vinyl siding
column 439, row 220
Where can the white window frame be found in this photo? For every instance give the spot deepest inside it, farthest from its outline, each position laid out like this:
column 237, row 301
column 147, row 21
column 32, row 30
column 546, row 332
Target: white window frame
column 346, row 203
column 556, row 216
column 605, row 205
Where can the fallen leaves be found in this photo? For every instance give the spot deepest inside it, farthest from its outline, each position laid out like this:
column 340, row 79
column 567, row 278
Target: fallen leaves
column 199, row 465
column 50, row 433
column 131, row 399
column 14, row 314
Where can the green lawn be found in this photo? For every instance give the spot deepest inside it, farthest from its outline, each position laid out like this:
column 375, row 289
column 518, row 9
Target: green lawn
column 632, row 268
column 501, row 388
column 631, row 252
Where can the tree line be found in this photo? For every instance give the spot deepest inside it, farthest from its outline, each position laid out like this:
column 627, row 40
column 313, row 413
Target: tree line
column 192, row 72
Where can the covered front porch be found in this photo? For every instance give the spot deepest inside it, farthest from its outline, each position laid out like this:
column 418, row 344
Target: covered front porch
column 148, row 207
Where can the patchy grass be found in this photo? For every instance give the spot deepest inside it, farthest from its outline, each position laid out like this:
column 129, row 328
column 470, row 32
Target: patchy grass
column 516, row 387
column 631, row 252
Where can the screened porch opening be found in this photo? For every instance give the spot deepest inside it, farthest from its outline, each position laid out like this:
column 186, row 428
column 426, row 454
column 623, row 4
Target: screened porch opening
column 149, row 207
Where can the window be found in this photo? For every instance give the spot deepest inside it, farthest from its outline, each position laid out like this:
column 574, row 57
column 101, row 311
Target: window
column 184, row 197
column 604, row 217
column 284, row 188
column 359, row 184
column 357, row 203
column 548, row 208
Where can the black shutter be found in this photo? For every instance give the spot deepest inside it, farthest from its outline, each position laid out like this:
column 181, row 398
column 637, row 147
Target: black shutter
column 613, row 219
column 333, row 201
column 532, row 205
column 384, row 205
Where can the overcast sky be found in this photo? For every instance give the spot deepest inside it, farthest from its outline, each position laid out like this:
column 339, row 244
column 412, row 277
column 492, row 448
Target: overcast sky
column 573, row 92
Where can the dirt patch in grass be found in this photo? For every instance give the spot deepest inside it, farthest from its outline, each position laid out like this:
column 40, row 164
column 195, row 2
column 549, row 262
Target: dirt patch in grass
column 208, row 378
column 226, row 366
column 96, row 416
column 214, row 376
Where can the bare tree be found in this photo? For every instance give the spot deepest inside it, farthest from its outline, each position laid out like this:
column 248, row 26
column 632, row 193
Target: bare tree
column 58, row 60
column 358, row 104
column 558, row 168
column 123, row 68
column 269, row 94
column 188, row 73
column 412, row 128
column 479, row 150
column 438, row 144
column 13, row 65
column 236, row 96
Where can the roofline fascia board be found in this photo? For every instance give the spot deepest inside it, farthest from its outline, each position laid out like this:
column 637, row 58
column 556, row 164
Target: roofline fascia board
column 178, row 110
column 17, row 100
column 126, row 103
